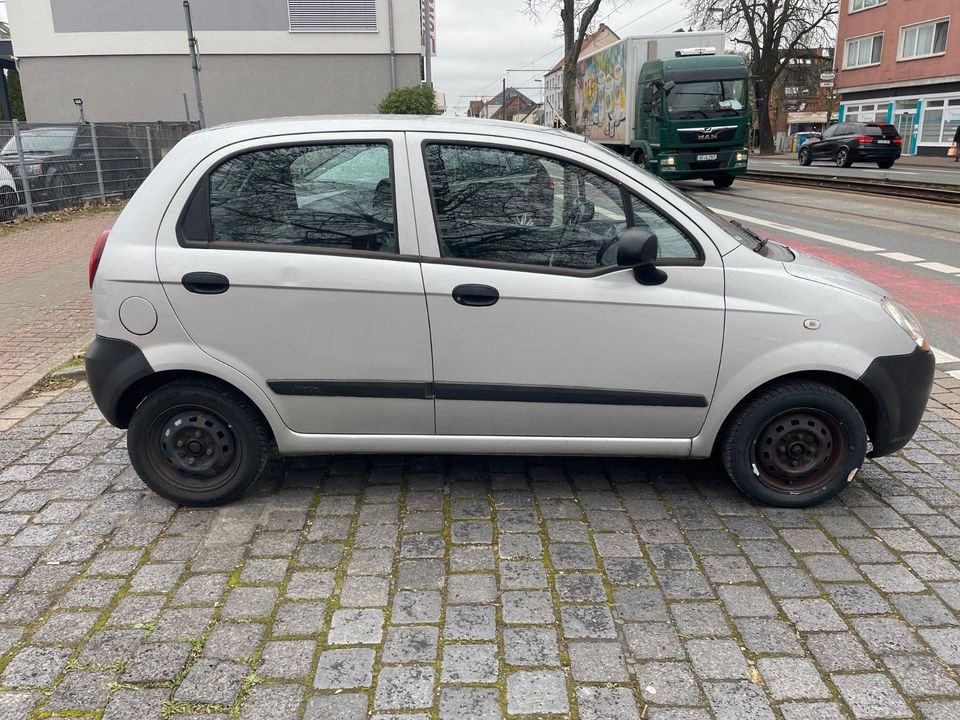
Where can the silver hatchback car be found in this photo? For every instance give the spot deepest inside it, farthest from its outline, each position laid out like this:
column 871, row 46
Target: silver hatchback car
column 431, row 285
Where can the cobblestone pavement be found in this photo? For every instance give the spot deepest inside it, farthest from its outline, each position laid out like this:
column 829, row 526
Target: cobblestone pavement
column 473, row 588
column 44, row 298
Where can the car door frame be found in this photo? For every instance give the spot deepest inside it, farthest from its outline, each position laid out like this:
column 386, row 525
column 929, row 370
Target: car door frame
column 169, row 240
column 681, row 215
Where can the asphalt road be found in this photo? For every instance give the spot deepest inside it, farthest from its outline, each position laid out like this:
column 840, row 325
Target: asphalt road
column 902, row 172
column 909, row 248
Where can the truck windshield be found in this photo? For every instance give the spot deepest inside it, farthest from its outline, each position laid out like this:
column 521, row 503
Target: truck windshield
column 706, row 99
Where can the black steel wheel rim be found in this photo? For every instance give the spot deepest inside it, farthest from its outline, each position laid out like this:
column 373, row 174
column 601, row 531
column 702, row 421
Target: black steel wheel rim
column 193, row 448
column 799, row 450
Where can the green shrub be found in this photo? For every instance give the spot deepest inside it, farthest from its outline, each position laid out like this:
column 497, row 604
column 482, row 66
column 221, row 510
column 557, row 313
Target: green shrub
column 416, row 100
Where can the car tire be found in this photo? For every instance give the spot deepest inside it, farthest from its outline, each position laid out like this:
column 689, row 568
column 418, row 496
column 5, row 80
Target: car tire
column 198, row 442
column 885, row 164
column 803, row 157
column 844, row 159
column 640, row 158
column 794, row 445
column 723, row 181
column 8, row 205
column 59, row 192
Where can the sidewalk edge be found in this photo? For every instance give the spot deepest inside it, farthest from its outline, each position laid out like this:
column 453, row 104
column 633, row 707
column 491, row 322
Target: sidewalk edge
column 17, row 389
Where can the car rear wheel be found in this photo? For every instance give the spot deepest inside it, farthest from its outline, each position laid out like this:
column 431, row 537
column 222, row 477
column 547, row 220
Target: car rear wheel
column 723, row 181
column 844, row 159
column 803, row 157
column 885, row 164
column 197, row 442
column 795, row 445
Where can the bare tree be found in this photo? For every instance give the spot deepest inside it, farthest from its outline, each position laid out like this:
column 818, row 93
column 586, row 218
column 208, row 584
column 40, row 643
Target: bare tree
column 575, row 17
column 773, row 30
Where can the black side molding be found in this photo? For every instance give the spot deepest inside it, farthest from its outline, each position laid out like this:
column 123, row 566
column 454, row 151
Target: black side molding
column 483, row 392
column 900, row 385
column 112, row 367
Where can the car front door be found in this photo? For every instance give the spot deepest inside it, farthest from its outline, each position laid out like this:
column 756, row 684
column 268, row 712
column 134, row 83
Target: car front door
column 296, row 263
column 535, row 331
column 822, row 148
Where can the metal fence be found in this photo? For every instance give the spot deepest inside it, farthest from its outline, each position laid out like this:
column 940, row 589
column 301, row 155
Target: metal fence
column 46, row 167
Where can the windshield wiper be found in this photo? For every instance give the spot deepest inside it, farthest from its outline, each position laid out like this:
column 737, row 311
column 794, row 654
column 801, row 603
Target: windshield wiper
column 761, row 241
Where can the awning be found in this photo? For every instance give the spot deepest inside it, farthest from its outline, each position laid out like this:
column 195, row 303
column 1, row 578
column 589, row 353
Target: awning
column 806, row 117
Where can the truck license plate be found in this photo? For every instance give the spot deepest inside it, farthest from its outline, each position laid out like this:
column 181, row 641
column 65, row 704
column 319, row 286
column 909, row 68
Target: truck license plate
column 702, row 158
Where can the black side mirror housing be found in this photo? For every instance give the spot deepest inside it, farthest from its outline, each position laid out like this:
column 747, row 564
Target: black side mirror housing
column 638, row 249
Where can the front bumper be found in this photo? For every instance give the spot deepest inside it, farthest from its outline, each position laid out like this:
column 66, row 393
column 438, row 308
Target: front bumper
column 695, row 163
column 112, row 367
column 900, row 385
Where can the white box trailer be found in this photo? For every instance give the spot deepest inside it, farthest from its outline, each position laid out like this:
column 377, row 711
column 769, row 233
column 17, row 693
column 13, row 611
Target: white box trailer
column 607, row 80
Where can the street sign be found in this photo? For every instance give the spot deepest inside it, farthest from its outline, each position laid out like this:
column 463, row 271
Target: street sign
column 826, row 83
column 828, row 76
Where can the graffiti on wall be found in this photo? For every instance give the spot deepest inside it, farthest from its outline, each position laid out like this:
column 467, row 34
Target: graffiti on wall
column 602, row 92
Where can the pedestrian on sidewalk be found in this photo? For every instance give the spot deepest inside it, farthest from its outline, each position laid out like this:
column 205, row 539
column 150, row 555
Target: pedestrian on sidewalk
column 956, row 145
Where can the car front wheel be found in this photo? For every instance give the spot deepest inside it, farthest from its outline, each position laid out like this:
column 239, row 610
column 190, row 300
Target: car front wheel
column 795, row 445
column 844, row 159
column 197, row 442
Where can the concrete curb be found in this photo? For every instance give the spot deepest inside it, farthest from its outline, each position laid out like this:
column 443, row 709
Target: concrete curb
column 16, row 390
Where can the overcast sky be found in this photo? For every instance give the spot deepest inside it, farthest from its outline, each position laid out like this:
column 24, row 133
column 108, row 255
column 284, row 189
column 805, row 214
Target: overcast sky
column 479, row 40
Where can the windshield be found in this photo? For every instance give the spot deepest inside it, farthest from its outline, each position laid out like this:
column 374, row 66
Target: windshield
column 49, row 140
column 707, row 99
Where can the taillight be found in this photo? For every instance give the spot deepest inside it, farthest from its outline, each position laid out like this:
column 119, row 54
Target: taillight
column 898, row 141
column 97, row 254
column 864, row 139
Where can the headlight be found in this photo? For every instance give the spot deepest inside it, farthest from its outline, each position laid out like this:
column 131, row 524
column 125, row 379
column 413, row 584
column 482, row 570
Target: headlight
column 741, row 156
column 668, row 161
column 906, row 320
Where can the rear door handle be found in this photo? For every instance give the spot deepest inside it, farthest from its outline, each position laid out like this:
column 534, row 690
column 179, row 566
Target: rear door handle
column 206, row 283
column 476, row 295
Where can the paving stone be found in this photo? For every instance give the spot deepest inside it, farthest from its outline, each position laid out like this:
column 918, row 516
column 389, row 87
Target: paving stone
column 921, row 676
column 230, row 641
column 303, row 586
column 66, row 628
column 272, row 702
column 839, row 652
column 667, row 684
column 587, row 621
column 572, row 556
column 527, row 608
column 471, row 589
column 893, row 578
column 597, row 662
column 182, row 624
column 617, row 545
column 653, row 641
column 747, row 601
column 580, row 588
column 640, row 604
column 344, row 669
column 248, row 603
column 886, row 636
column 871, row 696
column 348, row 706
column 735, row 701
column 421, row 574
column 811, row 711
column 467, row 622
column 469, row 663
column 212, row 682
column 299, row 619
column 857, row 599
column 940, row 709
column 415, row 607
column 945, row 643
column 792, row 679
column 717, row 660
column 404, row 688
column 788, row 582
column 522, row 575
column 107, row 647
column 627, row 571
column 457, row 703
column 128, row 704
column 156, row 662
column 531, row 646
column 700, row 619
column 81, row 691
column 812, row 615
column 531, row 692
column 365, row 591
column 356, row 627
column 605, row 703
column 286, row 659
column 410, row 644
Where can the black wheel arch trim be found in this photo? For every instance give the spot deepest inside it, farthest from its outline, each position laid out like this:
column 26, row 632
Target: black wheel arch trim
column 113, row 366
column 900, row 385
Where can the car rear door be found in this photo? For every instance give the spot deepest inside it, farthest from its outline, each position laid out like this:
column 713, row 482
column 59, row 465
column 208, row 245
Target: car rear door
column 296, row 263
column 535, row 331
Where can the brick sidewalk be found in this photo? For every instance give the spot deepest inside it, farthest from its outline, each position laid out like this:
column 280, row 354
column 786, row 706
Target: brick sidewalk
column 45, row 312
column 470, row 588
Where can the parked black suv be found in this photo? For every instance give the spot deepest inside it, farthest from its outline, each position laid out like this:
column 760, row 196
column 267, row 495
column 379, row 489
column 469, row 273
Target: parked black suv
column 61, row 167
column 848, row 142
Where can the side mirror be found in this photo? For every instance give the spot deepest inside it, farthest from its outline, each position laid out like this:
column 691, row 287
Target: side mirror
column 647, row 100
column 638, row 249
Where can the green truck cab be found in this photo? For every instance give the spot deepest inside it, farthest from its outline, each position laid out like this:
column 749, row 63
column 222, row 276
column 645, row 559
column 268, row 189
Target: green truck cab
column 692, row 118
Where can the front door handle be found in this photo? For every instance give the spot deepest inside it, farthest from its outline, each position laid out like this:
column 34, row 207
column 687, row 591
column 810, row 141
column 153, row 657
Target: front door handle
column 476, row 295
column 206, row 283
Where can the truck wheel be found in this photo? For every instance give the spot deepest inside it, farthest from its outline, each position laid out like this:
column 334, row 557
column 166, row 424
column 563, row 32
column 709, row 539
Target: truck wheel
column 197, row 442
column 723, row 181
column 795, row 445
column 640, row 158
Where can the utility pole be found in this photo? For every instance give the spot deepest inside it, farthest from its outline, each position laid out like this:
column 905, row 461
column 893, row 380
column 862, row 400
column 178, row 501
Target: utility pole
column 427, row 44
column 503, row 101
column 194, row 60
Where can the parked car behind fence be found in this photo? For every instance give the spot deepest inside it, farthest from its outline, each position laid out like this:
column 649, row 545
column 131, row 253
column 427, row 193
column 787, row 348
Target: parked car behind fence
column 49, row 167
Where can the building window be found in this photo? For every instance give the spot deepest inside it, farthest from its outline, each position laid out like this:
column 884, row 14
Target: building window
column 867, row 113
column 863, row 51
column 332, row 15
column 940, row 121
column 858, row 5
column 924, row 40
